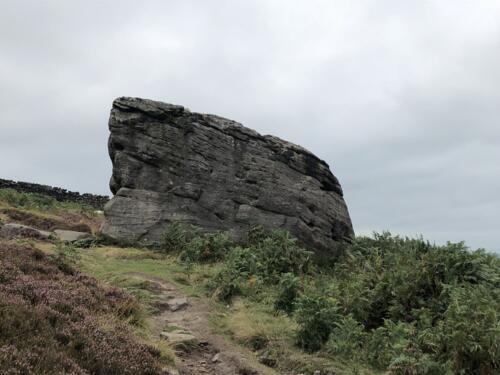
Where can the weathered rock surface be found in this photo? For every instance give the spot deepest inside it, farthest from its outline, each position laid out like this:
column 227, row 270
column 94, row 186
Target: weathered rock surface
column 171, row 164
column 180, row 340
column 12, row 230
column 71, row 235
column 176, row 304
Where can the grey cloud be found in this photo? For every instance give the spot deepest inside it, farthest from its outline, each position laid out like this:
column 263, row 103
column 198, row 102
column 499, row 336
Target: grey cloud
column 401, row 99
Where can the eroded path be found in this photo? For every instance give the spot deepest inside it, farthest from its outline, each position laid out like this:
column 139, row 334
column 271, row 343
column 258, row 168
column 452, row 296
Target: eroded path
column 184, row 322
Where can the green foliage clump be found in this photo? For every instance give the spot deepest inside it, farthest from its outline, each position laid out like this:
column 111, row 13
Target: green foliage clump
column 468, row 333
column 193, row 246
column 397, row 304
column 65, row 257
column 288, row 291
column 316, row 315
column 238, row 274
column 347, row 337
column 281, row 254
column 262, row 262
column 208, row 247
column 27, row 200
column 410, row 307
column 387, row 342
column 175, row 237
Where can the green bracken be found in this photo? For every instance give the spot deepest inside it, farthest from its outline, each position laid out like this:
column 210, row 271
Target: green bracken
column 387, row 305
column 397, row 304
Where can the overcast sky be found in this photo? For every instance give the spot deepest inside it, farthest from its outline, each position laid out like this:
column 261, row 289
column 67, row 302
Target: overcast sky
column 400, row 98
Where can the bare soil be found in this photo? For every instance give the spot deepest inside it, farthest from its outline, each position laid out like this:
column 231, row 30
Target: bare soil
column 214, row 354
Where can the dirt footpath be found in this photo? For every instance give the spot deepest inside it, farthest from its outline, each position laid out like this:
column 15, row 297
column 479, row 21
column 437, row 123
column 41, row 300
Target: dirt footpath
column 184, row 323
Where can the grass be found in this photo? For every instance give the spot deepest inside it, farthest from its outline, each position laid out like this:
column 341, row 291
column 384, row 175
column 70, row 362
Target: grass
column 117, row 265
column 255, row 325
column 40, row 203
column 46, row 213
column 54, row 320
column 247, row 322
column 389, row 304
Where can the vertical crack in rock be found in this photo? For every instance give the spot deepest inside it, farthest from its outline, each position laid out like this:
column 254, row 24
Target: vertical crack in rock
column 171, row 164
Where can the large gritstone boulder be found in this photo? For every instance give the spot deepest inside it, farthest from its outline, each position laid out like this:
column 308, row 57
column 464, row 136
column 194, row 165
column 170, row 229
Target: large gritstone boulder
column 170, row 164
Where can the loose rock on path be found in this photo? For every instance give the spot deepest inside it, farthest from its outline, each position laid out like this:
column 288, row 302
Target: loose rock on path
column 184, row 323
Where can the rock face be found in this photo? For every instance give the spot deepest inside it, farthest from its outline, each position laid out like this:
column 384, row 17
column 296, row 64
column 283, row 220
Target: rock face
column 170, row 164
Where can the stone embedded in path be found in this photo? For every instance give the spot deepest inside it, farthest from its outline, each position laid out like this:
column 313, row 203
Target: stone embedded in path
column 172, row 164
column 180, row 340
column 176, row 304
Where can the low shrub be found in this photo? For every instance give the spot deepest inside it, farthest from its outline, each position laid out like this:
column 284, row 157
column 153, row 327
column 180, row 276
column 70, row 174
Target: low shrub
column 175, row 237
column 194, row 246
column 468, row 334
column 27, row 200
column 208, row 247
column 263, row 262
column 387, row 342
column 282, row 255
column 288, row 291
column 257, row 342
column 65, row 257
column 238, row 275
column 256, row 234
column 54, row 322
column 408, row 306
column 317, row 315
column 87, row 243
column 246, row 267
column 347, row 338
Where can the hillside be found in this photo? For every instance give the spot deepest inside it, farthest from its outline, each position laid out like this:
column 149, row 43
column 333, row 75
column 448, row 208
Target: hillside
column 202, row 304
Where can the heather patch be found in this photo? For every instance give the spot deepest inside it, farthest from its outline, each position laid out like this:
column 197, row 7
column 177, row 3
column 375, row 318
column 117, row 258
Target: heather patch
column 54, row 322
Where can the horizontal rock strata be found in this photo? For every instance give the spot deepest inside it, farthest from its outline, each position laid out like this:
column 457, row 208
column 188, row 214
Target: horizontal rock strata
column 170, row 164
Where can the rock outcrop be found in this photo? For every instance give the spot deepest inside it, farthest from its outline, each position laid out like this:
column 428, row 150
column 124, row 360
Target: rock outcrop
column 13, row 230
column 170, row 164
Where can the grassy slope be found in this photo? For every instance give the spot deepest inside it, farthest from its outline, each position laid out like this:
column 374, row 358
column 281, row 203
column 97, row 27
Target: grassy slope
column 56, row 320
column 46, row 213
column 114, row 266
column 47, row 306
column 249, row 322
column 386, row 277
column 246, row 321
